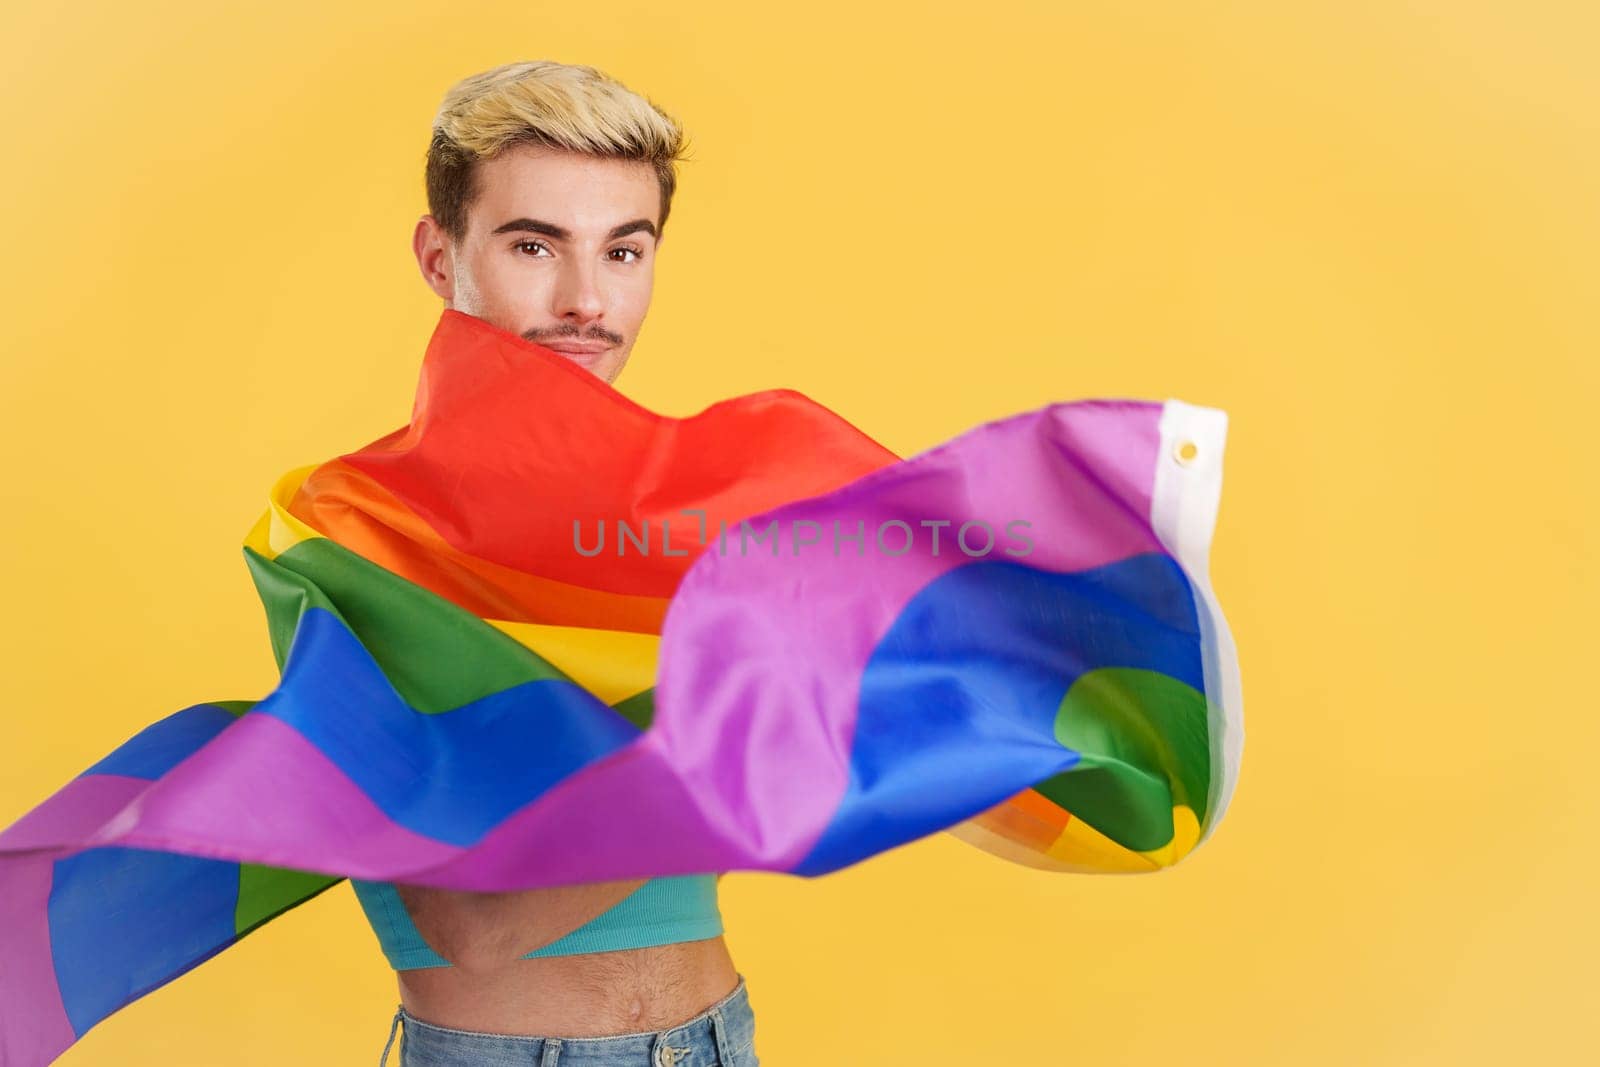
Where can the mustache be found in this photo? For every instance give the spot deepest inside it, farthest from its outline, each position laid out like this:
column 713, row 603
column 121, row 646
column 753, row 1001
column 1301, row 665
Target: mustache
column 539, row 338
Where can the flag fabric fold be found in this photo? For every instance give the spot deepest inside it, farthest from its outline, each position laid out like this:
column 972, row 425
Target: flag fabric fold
column 542, row 635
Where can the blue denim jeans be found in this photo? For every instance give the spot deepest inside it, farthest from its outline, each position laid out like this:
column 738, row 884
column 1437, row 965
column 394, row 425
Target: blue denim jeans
column 721, row 1036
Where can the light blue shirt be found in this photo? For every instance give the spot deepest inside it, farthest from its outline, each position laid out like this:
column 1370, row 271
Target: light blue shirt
column 662, row 911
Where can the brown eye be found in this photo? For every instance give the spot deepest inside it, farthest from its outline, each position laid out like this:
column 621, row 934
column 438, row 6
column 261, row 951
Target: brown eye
column 524, row 244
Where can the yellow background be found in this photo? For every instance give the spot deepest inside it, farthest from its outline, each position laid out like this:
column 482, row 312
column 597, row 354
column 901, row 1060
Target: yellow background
column 1366, row 230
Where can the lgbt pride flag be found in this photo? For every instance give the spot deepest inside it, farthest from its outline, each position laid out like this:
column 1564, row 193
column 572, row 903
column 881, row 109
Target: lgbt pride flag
column 541, row 635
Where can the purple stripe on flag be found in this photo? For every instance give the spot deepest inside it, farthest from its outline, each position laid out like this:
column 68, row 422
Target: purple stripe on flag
column 73, row 813
column 778, row 686
column 627, row 814
column 261, row 792
column 33, row 1022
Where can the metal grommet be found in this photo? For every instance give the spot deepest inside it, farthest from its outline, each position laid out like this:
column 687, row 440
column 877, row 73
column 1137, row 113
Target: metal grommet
column 1185, row 452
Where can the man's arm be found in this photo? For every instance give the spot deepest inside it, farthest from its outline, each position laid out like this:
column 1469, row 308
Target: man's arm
column 483, row 931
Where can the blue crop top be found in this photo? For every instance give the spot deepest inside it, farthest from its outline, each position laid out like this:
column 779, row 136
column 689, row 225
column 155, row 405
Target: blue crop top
column 660, row 912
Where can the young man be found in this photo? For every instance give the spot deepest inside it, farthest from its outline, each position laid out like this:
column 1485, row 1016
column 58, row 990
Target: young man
column 548, row 189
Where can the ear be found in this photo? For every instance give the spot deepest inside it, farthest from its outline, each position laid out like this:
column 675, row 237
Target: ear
column 431, row 245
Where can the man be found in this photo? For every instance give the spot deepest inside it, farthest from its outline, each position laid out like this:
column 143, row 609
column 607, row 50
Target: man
column 548, row 190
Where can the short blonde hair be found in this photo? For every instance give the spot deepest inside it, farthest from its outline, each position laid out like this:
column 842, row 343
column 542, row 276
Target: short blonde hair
column 543, row 102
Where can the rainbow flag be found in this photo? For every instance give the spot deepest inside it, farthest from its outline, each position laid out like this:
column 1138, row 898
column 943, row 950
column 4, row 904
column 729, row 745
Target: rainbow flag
column 541, row 635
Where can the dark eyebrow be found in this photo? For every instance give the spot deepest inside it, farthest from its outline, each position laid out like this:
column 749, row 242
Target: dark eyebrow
column 560, row 233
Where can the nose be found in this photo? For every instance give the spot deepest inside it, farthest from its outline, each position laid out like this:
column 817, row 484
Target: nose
column 578, row 297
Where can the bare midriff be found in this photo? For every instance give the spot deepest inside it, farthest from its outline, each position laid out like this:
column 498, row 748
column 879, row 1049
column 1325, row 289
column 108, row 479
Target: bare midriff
column 594, row 994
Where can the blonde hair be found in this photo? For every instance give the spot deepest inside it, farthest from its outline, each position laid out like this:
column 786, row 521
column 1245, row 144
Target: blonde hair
column 542, row 102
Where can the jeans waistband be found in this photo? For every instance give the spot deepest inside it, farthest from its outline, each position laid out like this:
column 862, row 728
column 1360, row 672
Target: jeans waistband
column 726, row 1028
